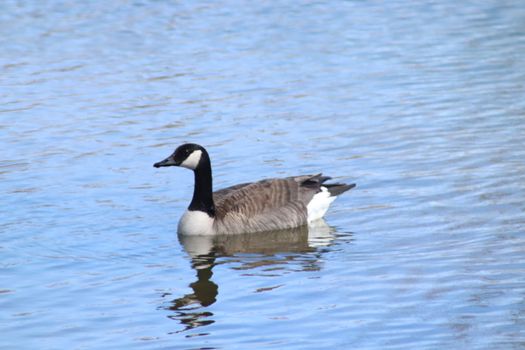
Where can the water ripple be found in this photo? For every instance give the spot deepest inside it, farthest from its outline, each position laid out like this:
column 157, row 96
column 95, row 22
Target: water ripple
column 420, row 104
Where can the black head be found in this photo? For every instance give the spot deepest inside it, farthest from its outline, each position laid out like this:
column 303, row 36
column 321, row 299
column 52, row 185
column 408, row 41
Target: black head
column 188, row 155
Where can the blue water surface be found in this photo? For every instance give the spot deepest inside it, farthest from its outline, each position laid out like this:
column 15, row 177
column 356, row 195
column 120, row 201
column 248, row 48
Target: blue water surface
column 420, row 103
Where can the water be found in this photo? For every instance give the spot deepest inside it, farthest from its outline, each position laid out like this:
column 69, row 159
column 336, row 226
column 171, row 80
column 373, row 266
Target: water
column 420, row 104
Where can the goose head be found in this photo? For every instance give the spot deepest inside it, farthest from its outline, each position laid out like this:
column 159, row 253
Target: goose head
column 188, row 155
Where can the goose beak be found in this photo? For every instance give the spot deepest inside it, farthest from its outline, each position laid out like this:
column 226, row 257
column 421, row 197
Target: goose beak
column 170, row 161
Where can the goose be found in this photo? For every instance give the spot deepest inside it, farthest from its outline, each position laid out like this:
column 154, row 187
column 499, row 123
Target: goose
column 265, row 205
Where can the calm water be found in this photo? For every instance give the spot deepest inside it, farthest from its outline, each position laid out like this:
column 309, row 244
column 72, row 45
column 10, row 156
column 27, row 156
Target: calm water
column 422, row 105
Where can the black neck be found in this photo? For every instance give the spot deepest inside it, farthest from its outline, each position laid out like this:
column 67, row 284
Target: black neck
column 203, row 191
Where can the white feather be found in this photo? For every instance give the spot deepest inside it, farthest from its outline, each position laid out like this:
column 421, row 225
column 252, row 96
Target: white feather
column 192, row 160
column 198, row 246
column 196, row 222
column 319, row 204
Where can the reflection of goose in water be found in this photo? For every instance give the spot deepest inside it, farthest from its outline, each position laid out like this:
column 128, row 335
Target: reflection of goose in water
column 300, row 239
column 204, row 294
column 302, row 245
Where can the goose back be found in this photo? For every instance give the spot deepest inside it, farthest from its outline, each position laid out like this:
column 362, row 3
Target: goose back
column 265, row 205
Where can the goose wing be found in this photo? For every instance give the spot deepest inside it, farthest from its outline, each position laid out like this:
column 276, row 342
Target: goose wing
column 265, row 205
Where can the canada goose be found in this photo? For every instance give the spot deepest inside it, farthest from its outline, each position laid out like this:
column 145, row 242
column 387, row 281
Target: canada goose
column 271, row 204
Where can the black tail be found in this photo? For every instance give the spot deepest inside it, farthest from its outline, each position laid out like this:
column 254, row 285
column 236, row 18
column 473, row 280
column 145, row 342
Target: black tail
column 316, row 181
column 337, row 189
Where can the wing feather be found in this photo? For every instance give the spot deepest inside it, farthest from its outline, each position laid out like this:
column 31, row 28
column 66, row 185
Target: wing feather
column 265, row 205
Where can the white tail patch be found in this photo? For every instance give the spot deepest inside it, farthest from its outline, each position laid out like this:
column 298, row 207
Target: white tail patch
column 319, row 204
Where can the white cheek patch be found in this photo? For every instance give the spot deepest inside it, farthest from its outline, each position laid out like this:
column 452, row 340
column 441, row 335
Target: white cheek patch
column 192, row 161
